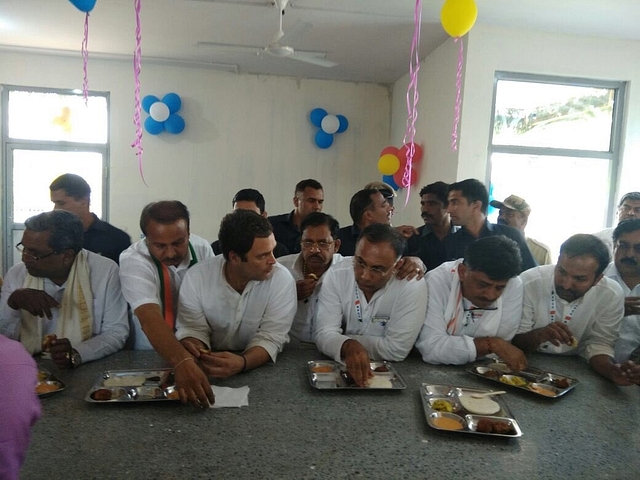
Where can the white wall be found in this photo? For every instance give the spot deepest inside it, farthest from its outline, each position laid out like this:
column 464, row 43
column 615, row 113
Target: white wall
column 491, row 49
column 242, row 131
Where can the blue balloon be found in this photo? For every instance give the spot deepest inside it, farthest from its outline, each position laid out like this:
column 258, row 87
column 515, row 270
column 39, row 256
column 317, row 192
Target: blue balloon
column 148, row 101
column 389, row 179
column 344, row 123
column 173, row 101
column 174, row 124
column 84, row 5
column 153, row 127
column 316, row 116
column 324, row 140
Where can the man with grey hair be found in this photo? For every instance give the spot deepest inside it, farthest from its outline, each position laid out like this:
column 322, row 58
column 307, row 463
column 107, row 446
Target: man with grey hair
column 628, row 208
column 62, row 290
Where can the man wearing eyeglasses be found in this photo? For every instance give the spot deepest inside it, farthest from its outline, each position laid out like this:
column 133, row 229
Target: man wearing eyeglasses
column 59, row 289
column 475, row 305
column 628, row 208
column 320, row 244
column 365, row 312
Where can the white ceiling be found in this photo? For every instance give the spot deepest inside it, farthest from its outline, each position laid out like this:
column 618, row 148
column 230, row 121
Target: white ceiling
column 369, row 39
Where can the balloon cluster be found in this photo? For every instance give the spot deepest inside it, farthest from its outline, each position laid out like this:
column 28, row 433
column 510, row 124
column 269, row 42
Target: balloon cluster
column 328, row 125
column 163, row 114
column 458, row 16
column 84, row 5
column 393, row 163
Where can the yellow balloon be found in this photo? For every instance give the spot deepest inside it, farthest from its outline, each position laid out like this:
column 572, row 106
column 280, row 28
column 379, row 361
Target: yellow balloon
column 458, row 16
column 388, row 164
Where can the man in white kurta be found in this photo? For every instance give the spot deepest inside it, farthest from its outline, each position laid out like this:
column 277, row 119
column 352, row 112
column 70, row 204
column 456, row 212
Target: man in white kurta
column 474, row 307
column 365, row 312
column 571, row 308
column 242, row 301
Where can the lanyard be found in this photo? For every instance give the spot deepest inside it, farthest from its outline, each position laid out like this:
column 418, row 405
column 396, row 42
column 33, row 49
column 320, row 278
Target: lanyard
column 552, row 309
column 358, row 303
column 471, row 315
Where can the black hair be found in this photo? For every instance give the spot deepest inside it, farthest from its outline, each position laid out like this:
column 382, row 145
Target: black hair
column 250, row 195
column 626, row 226
column 74, row 186
column 308, row 183
column 633, row 196
column 498, row 257
column 360, row 203
column 473, row 191
column 238, row 230
column 317, row 219
column 66, row 229
column 381, row 233
column 439, row 189
column 165, row 212
column 589, row 245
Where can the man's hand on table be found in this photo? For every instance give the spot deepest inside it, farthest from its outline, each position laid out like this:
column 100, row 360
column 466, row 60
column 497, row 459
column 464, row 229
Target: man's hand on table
column 357, row 361
column 61, row 352
column 36, row 302
column 192, row 383
column 626, row 373
column 222, row 364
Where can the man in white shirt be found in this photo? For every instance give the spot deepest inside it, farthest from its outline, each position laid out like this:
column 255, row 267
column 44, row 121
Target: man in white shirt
column 151, row 272
column 625, row 269
column 60, row 289
column 628, row 208
column 243, row 301
column 571, row 308
column 320, row 244
column 475, row 304
column 364, row 311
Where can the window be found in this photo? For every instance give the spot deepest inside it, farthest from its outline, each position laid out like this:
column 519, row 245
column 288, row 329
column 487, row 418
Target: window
column 555, row 143
column 47, row 133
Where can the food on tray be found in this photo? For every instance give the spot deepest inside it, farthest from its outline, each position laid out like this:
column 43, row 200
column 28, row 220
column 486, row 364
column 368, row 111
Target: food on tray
column 442, row 405
column 378, row 381
column 173, row 395
column 492, row 374
column 500, row 367
column 322, row 369
column 513, row 380
column 542, row 391
column 561, row 382
column 482, row 406
column 42, row 376
column 48, row 341
column 44, row 387
column 447, row 423
column 486, row 425
column 381, row 368
column 101, row 394
column 125, row 381
column 574, row 341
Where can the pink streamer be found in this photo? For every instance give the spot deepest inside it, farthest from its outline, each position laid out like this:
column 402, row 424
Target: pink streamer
column 85, row 60
column 137, row 61
column 412, row 100
column 456, row 116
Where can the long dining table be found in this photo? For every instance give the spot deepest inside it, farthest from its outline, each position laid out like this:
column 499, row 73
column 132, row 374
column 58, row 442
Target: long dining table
column 291, row 430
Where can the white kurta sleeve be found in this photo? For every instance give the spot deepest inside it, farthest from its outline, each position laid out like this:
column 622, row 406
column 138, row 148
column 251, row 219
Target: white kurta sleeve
column 604, row 331
column 511, row 301
column 191, row 320
column 328, row 331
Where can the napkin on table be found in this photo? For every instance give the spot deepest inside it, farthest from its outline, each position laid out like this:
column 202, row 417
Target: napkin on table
column 230, row 397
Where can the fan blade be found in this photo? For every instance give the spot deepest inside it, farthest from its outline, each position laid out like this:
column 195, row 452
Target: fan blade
column 313, row 58
column 227, row 48
column 297, row 31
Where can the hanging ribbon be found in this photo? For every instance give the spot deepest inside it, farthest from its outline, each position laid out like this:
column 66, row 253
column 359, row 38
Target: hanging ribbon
column 137, row 60
column 412, row 99
column 85, row 60
column 456, row 116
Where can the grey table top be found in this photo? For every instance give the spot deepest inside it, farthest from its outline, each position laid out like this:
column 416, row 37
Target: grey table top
column 290, row 430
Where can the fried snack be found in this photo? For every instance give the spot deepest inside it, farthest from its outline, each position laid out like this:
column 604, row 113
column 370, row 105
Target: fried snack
column 574, row 342
column 486, row 425
column 561, row 382
column 313, row 275
column 381, row 368
column 101, row 394
column 492, row 374
column 48, row 341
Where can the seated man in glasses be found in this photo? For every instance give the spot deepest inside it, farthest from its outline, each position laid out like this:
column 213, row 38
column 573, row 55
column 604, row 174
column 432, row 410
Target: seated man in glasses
column 475, row 306
column 62, row 290
column 320, row 245
column 365, row 312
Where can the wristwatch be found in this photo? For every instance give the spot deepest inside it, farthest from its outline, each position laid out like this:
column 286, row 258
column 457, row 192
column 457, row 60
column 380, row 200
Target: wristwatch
column 75, row 358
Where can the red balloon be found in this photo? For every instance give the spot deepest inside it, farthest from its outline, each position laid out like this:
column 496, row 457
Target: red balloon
column 392, row 150
column 417, row 152
column 397, row 177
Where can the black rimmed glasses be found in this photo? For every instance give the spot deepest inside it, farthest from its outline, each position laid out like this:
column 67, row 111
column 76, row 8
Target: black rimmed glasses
column 20, row 247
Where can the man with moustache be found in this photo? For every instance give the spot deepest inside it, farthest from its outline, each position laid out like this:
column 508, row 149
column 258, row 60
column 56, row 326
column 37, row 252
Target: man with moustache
column 320, row 244
column 628, row 208
column 365, row 312
column 571, row 308
column 236, row 309
column 437, row 224
column 475, row 305
column 151, row 272
column 625, row 269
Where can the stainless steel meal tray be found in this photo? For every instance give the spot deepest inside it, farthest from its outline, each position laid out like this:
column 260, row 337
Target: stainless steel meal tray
column 532, row 379
column 46, row 377
column 328, row 375
column 118, row 386
column 468, row 421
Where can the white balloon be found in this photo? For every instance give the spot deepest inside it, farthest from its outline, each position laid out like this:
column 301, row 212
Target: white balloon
column 330, row 124
column 159, row 111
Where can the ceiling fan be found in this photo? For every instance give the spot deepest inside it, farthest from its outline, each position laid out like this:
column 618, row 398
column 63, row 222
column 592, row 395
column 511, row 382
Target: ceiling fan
column 279, row 44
